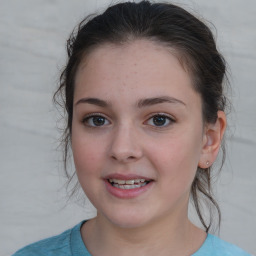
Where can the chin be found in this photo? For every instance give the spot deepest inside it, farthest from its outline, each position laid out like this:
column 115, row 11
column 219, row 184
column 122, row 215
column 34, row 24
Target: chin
column 128, row 221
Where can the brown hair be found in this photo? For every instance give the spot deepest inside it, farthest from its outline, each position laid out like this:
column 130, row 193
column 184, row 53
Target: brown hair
column 175, row 28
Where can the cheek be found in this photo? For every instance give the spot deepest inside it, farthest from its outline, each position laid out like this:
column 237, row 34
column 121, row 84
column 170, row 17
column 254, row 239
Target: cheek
column 84, row 159
column 178, row 157
column 87, row 154
column 88, row 166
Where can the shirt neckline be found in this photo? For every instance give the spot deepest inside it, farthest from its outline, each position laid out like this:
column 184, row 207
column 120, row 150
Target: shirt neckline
column 78, row 247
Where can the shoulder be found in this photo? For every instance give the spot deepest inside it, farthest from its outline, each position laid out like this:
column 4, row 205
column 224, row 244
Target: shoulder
column 214, row 246
column 56, row 245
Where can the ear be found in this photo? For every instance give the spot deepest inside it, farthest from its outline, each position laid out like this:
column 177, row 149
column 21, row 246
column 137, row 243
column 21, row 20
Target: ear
column 213, row 134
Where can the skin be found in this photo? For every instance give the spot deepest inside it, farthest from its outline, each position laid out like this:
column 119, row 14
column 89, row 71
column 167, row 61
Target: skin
column 128, row 142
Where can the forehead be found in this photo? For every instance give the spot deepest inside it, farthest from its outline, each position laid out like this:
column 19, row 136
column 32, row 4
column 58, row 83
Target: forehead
column 128, row 51
column 138, row 65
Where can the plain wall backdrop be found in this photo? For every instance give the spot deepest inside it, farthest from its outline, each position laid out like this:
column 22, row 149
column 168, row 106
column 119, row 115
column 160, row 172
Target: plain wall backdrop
column 33, row 201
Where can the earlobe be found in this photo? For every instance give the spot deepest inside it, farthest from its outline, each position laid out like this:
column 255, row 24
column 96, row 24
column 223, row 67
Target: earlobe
column 213, row 136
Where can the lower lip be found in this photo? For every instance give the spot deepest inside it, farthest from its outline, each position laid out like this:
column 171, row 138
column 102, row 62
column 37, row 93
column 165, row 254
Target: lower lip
column 127, row 193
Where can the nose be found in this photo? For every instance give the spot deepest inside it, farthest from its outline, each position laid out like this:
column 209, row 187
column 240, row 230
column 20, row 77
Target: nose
column 125, row 145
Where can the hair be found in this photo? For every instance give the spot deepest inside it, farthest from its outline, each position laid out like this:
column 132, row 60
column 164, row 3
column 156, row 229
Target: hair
column 174, row 27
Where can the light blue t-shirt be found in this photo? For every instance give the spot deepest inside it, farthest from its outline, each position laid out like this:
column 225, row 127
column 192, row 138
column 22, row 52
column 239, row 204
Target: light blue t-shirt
column 70, row 243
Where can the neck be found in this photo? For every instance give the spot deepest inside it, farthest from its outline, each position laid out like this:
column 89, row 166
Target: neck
column 162, row 237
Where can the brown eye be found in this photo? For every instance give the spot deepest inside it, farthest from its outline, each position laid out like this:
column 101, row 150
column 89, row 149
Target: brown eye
column 160, row 120
column 95, row 121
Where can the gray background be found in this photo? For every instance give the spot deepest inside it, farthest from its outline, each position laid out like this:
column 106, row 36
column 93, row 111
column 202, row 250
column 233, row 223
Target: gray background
column 33, row 201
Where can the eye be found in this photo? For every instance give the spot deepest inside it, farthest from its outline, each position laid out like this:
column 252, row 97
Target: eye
column 95, row 121
column 160, row 120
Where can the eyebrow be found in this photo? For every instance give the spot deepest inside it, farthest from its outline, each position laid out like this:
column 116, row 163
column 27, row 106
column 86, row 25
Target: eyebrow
column 158, row 100
column 141, row 103
column 93, row 101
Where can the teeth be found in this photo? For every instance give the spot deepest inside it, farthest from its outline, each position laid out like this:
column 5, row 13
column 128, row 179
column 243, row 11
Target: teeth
column 118, row 181
column 128, row 184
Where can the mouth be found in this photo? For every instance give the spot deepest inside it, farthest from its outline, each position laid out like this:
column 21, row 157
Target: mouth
column 128, row 184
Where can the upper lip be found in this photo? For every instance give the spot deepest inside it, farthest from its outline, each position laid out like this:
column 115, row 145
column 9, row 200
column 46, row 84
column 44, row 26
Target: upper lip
column 119, row 176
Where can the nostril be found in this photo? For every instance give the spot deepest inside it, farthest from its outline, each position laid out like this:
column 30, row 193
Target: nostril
column 124, row 147
column 123, row 157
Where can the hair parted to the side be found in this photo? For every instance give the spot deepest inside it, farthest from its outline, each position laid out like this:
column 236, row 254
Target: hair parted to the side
column 170, row 25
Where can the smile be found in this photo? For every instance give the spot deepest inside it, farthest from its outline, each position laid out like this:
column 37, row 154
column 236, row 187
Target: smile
column 128, row 184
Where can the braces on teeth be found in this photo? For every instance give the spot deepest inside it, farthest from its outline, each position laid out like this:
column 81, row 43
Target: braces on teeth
column 128, row 184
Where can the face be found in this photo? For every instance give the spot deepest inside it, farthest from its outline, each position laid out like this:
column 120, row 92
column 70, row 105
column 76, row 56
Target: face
column 137, row 133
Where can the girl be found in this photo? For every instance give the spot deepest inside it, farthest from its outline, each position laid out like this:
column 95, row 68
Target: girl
column 143, row 91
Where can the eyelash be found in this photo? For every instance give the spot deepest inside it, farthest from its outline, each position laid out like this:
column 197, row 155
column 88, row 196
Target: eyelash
column 164, row 117
column 90, row 117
